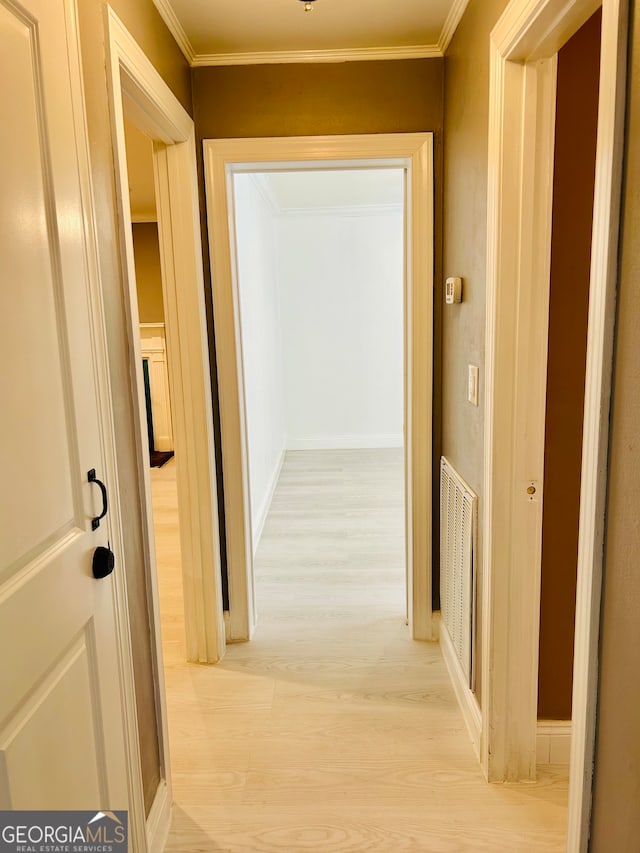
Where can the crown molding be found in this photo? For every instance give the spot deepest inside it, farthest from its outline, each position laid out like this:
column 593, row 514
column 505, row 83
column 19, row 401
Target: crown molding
column 454, row 17
column 176, row 29
column 271, row 57
column 358, row 54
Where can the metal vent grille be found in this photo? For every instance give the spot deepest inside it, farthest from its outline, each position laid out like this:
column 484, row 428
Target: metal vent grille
column 458, row 530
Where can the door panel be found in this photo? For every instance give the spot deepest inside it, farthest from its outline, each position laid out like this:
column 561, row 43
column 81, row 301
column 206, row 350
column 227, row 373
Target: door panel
column 32, row 338
column 66, row 697
column 61, row 716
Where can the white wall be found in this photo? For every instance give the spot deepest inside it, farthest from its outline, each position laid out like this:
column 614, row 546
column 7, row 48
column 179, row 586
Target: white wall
column 321, row 303
column 341, row 304
column 261, row 341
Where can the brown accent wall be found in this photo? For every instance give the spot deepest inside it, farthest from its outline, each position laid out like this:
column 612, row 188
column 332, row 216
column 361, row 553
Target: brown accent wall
column 313, row 99
column 616, row 816
column 466, row 129
column 147, row 27
column 573, row 187
column 317, row 99
column 146, row 250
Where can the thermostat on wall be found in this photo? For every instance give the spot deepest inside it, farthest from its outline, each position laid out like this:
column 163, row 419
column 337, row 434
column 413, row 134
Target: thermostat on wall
column 454, row 290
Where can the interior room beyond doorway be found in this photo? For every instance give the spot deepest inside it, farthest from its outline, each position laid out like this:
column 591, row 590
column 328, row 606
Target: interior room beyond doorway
column 320, row 266
column 157, row 427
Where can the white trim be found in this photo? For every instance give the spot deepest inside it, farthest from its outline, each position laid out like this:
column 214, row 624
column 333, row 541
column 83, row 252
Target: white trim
column 353, row 54
column 467, row 700
column 261, row 57
column 519, row 250
column 345, row 442
column 414, row 152
column 137, row 88
column 96, row 320
column 159, row 819
column 176, row 29
column 529, row 33
column 263, row 511
column 269, row 57
column 143, row 218
column 553, row 742
column 456, row 12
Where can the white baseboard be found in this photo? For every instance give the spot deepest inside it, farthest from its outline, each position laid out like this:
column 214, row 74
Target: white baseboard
column 553, row 742
column 265, row 506
column 466, row 699
column 553, row 737
column 159, row 820
column 345, row 442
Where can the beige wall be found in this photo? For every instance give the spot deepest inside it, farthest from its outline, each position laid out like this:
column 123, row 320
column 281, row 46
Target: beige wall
column 146, row 249
column 143, row 20
column 466, row 128
column 573, row 187
column 326, row 98
column 616, row 815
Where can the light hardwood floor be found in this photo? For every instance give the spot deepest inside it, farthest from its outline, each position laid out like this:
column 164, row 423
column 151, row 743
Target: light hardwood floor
column 332, row 732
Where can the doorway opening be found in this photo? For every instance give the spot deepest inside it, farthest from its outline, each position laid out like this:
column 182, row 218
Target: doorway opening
column 151, row 313
column 320, row 270
column 138, row 92
column 524, row 48
column 413, row 154
column 576, row 121
column 156, row 402
column 155, row 451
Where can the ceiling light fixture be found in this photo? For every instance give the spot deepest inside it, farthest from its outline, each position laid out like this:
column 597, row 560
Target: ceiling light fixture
column 308, row 5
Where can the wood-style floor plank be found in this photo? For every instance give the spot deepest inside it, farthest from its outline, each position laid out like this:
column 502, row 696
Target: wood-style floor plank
column 332, row 731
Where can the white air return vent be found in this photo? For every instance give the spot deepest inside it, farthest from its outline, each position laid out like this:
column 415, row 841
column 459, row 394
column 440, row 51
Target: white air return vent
column 458, row 532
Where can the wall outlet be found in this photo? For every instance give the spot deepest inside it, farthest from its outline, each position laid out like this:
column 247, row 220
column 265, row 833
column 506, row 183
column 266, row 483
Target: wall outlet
column 474, row 378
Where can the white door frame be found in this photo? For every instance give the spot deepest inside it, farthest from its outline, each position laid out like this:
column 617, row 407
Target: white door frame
column 524, row 46
column 137, row 90
column 413, row 151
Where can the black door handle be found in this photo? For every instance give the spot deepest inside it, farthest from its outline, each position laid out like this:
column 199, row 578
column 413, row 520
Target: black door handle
column 103, row 562
column 91, row 476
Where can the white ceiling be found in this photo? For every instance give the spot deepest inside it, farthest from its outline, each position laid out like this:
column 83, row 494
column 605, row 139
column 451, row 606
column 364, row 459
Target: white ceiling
column 238, row 31
column 334, row 189
column 142, row 194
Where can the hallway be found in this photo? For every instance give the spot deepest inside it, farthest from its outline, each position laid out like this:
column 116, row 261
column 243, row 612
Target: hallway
column 331, row 731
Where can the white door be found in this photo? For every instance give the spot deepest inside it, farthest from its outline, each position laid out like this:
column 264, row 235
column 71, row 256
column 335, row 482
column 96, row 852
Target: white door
column 61, row 730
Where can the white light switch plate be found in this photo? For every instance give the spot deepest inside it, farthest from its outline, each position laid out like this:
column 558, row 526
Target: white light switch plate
column 453, row 290
column 474, row 375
